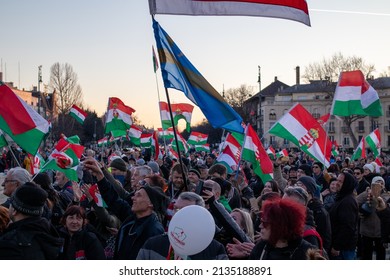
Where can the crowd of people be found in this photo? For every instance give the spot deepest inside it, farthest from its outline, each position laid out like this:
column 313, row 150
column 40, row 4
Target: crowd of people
column 122, row 204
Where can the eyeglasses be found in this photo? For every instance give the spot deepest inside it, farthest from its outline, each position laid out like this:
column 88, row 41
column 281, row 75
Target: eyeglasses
column 8, row 181
column 315, row 166
column 357, row 173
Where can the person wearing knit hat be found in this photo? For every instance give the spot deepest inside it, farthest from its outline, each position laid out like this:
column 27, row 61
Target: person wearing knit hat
column 368, row 168
column 118, row 164
column 309, row 184
column 194, row 178
column 120, row 172
column 158, row 199
column 304, row 170
column 154, row 166
column 319, row 176
column 29, row 236
column 29, row 200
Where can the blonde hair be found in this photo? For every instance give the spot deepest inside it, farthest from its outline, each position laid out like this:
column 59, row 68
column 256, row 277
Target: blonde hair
column 247, row 223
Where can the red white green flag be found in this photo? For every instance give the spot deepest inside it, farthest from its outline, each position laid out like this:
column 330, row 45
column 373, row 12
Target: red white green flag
column 78, row 114
column 155, row 146
column 360, row 151
column 292, row 10
column 103, row 141
column 166, row 134
column 255, row 153
column 173, row 153
column 324, row 119
column 118, row 116
column 234, row 144
column 299, row 127
column 374, row 142
column 134, row 134
column 66, row 157
column 378, row 162
column 204, row 147
column 197, row 138
column 282, row 153
column 355, row 96
column 20, row 121
column 183, row 146
column 146, row 140
column 228, row 159
column 179, row 111
column 271, row 152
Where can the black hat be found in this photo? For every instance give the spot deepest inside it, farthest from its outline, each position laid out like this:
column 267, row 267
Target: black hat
column 306, row 168
column 119, row 164
column 29, row 199
column 320, row 164
column 193, row 170
column 310, row 185
column 157, row 198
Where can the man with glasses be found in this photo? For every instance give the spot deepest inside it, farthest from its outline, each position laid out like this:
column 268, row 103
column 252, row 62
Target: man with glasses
column 363, row 184
column 319, row 175
column 15, row 178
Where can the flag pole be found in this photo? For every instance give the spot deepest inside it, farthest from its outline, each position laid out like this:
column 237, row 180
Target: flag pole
column 13, row 155
column 176, row 140
column 242, row 148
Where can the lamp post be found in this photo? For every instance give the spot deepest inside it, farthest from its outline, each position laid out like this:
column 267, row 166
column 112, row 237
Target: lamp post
column 260, row 131
column 39, row 87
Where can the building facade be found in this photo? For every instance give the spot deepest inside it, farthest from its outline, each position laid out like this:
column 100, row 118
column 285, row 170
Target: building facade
column 275, row 100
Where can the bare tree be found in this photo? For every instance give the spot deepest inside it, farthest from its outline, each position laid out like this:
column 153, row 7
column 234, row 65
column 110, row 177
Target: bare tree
column 236, row 97
column 66, row 91
column 328, row 70
column 64, row 82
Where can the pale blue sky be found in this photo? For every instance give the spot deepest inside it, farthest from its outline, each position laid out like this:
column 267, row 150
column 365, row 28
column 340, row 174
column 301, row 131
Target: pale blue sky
column 108, row 43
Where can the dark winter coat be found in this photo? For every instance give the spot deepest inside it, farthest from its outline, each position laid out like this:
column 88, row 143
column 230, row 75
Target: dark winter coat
column 322, row 220
column 30, row 239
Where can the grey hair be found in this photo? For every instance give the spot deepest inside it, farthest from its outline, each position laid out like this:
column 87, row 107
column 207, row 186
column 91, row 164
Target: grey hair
column 20, row 174
column 193, row 197
column 144, row 170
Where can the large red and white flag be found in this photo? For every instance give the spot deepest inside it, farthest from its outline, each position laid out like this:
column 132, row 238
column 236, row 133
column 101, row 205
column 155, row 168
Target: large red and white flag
column 299, row 127
column 118, row 116
column 20, row 121
column 296, row 10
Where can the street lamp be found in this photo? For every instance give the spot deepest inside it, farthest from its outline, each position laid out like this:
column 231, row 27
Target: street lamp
column 39, row 87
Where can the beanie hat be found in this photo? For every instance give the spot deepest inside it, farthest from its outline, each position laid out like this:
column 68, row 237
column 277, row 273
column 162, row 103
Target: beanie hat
column 369, row 166
column 310, row 185
column 119, row 164
column 378, row 178
column 194, row 171
column 320, row 164
column 157, row 197
column 154, row 166
column 29, row 199
column 140, row 161
column 306, row 168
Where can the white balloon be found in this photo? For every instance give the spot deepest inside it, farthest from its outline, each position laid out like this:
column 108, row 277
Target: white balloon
column 191, row 230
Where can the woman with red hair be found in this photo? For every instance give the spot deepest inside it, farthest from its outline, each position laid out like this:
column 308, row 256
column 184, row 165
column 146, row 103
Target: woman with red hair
column 281, row 229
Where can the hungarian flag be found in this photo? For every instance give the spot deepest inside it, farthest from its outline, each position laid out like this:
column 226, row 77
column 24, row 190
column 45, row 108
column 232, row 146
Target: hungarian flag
column 103, row 141
column 97, row 197
column 296, row 10
column 173, row 153
column 166, row 134
column 255, row 153
column 3, row 141
column 378, row 163
column 234, row 144
column 324, row 119
column 299, row 127
column 21, row 122
column 360, row 151
column 374, row 142
column 118, row 134
column 282, row 153
column 183, row 146
column 335, row 152
column 118, row 116
column 204, row 147
column 228, row 159
column 134, row 134
column 271, row 152
column 146, row 140
column 155, row 146
column 66, row 157
column 355, row 96
column 78, row 114
column 197, row 138
column 179, row 111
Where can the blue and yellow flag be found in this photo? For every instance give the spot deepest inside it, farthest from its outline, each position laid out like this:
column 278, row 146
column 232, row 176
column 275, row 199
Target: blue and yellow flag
column 178, row 73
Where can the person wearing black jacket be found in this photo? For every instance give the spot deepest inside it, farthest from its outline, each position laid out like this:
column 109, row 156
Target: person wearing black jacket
column 344, row 216
column 29, row 236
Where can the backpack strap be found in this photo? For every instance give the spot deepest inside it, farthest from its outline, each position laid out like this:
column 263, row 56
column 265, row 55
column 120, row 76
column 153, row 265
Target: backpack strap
column 312, row 231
